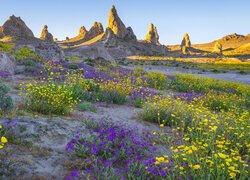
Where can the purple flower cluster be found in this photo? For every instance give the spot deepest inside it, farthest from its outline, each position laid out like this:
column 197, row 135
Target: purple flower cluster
column 4, row 74
column 112, row 148
column 189, row 96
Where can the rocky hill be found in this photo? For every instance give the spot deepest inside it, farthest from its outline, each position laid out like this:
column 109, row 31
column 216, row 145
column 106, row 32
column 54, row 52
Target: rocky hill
column 15, row 31
column 231, row 41
column 118, row 41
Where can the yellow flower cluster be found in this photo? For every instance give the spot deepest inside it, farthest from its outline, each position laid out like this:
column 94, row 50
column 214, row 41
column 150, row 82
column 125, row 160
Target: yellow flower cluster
column 215, row 143
column 3, row 140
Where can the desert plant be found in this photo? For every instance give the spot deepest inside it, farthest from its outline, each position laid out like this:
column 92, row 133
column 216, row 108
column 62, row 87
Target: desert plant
column 156, row 80
column 86, row 106
column 24, row 53
column 6, row 103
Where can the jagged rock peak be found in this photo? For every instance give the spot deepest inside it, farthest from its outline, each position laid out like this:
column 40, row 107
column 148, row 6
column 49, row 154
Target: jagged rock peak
column 45, row 35
column 186, row 41
column 95, row 30
column 152, row 35
column 82, row 31
column 115, row 23
column 16, row 27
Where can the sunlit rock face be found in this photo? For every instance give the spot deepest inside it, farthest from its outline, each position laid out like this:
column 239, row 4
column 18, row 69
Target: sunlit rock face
column 15, row 27
column 218, row 48
column 82, row 32
column 186, row 41
column 94, row 31
column 117, row 26
column 45, row 35
column 152, row 35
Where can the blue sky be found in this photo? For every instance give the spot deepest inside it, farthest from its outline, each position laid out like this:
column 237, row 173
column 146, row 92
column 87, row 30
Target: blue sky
column 204, row 20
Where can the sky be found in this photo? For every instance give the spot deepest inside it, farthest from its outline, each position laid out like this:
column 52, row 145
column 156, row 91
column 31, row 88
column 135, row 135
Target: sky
column 203, row 20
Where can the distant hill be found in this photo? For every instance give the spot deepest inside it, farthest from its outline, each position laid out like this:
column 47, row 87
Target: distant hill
column 231, row 41
column 242, row 50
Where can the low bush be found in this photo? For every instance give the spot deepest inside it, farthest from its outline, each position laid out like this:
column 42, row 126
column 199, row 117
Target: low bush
column 156, row 80
column 24, row 53
column 49, row 98
column 6, row 102
column 86, row 106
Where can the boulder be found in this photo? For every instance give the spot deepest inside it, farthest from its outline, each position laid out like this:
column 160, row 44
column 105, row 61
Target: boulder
column 7, row 63
column 152, row 35
column 15, row 27
column 45, row 35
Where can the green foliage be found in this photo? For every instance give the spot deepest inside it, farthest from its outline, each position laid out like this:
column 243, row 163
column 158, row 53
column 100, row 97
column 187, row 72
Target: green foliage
column 5, row 47
column 24, row 53
column 138, row 102
column 114, row 97
column 86, row 106
column 138, row 71
column 156, row 80
column 49, row 98
column 73, row 66
column 6, row 103
column 191, row 83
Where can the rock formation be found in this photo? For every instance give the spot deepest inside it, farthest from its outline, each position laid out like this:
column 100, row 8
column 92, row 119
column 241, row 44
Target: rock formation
column 117, row 26
column 218, row 48
column 82, row 32
column 7, row 63
column 186, row 41
column 130, row 34
column 15, row 27
column 45, row 35
column 185, row 44
column 109, row 38
column 94, row 31
column 152, row 35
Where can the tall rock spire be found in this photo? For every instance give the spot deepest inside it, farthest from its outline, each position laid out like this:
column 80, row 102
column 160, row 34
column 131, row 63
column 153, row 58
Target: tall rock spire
column 152, row 35
column 117, row 26
column 45, row 35
column 186, row 41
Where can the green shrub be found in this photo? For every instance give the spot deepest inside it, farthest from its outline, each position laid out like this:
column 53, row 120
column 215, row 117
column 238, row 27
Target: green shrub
column 86, row 106
column 24, row 53
column 5, row 47
column 6, row 103
column 138, row 102
column 156, row 80
column 73, row 66
column 49, row 98
column 114, row 97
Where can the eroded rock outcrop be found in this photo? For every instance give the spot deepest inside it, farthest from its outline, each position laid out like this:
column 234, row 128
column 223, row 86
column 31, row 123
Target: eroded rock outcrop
column 45, row 35
column 117, row 26
column 7, row 63
column 186, row 41
column 152, row 35
column 94, row 31
column 82, row 32
column 109, row 38
column 15, row 27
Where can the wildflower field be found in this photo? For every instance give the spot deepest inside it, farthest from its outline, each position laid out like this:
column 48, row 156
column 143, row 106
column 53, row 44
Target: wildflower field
column 202, row 124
